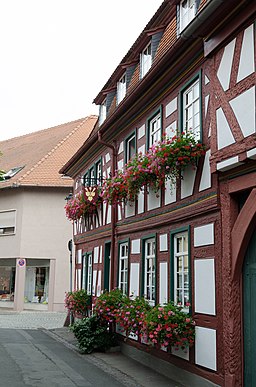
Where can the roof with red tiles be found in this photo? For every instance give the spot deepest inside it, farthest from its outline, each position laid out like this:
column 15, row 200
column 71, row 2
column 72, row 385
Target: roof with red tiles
column 43, row 153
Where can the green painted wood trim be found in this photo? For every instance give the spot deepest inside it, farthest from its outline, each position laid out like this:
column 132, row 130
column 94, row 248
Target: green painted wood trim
column 133, row 133
column 184, row 87
column 143, row 240
column 107, row 250
column 118, row 263
column 172, row 234
column 155, row 113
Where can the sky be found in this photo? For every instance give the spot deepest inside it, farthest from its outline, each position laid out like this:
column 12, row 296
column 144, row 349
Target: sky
column 56, row 56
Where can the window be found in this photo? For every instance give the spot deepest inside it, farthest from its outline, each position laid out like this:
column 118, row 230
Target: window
column 98, row 173
column 187, row 12
column 12, row 172
column 154, row 129
column 150, row 270
column 87, row 273
column 103, row 112
column 7, row 222
column 130, row 147
column 146, row 60
column 181, row 285
column 121, row 88
column 123, row 267
column 191, row 112
column 93, row 176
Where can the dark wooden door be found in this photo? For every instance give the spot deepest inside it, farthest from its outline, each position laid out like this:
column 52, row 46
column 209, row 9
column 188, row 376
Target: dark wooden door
column 249, row 312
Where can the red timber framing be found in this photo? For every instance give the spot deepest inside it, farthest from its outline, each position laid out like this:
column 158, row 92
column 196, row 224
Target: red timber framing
column 210, row 68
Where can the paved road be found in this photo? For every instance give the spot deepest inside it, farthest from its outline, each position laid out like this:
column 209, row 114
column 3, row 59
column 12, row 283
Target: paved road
column 33, row 358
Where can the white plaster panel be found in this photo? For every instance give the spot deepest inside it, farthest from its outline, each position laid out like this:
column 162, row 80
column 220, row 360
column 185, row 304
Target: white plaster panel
column 79, row 256
column 163, row 242
column 78, row 279
column 171, row 107
column 206, row 80
column 135, row 246
column 94, row 277
column 120, row 165
column 251, row 154
column 188, row 181
column 107, row 157
column 108, row 214
column 182, row 353
column 170, row 192
column 141, row 201
column 98, row 292
column 141, row 131
column 205, row 348
column 206, row 102
column 163, row 288
column 225, row 67
column 96, row 254
column 171, row 130
column 205, row 286
column 129, row 209
column 246, row 63
column 135, row 280
column 204, row 235
column 225, row 136
column 100, row 254
column 205, row 181
column 121, row 147
column 154, row 199
column 210, row 131
column 244, row 108
column 227, row 164
column 142, row 149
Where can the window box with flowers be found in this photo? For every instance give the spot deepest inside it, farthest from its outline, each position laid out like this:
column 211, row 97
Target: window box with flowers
column 165, row 160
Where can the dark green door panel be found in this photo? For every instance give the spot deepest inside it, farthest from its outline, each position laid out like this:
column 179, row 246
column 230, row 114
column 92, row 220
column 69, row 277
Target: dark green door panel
column 249, row 312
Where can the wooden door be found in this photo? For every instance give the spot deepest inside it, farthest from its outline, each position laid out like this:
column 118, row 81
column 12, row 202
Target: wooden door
column 249, row 313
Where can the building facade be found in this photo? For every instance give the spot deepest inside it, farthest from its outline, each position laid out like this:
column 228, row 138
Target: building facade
column 191, row 70
column 34, row 232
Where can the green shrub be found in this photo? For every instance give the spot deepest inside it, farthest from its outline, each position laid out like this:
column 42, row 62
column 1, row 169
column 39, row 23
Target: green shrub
column 78, row 302
column 92, row 335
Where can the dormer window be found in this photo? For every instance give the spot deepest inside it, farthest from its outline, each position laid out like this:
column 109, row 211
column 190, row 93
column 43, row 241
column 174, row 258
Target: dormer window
column 121, row 89
column 146, row 60
column 187, row 12
column 103, row 112
column 12, row 172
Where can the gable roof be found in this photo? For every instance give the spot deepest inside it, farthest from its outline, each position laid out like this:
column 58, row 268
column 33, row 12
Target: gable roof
column 43, row 153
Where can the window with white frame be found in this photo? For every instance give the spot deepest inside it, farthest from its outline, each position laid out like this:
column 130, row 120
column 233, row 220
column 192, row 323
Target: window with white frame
column 87, row 273
column 123, row 267
column 187, row 12
column 150, row 270
column 130, row 147
column 154, row 129
column 191, row 113
column 103, row 112
column 146, row 60
column 8, row 222
column 121, row 89
column 181, row 270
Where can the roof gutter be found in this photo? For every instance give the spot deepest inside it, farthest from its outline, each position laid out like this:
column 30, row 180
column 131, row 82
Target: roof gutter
column 200, row 18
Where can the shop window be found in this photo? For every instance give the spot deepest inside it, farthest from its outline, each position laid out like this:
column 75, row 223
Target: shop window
column 7, row 283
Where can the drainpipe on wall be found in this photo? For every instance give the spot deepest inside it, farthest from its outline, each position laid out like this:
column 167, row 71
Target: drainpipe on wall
column 113, row 210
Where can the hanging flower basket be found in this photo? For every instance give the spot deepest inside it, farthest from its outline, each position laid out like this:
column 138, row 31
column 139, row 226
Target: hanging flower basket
column 84, row 203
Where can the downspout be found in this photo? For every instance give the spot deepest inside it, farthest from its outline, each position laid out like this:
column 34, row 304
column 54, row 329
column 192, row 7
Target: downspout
column 113, row 211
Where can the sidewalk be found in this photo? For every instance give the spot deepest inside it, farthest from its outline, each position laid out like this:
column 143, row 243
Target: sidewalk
column 132, row 373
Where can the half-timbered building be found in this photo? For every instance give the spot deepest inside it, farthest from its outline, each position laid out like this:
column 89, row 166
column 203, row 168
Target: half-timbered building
column 193, row 242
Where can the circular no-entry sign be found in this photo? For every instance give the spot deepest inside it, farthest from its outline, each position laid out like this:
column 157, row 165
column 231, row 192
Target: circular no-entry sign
column 21, row 262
